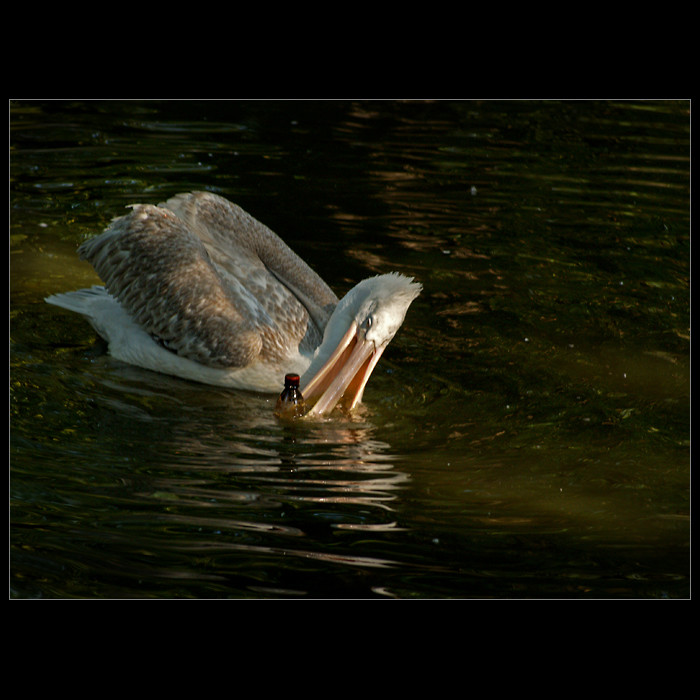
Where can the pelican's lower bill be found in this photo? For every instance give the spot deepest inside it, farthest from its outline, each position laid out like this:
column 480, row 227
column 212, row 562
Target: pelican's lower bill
column 344, row 375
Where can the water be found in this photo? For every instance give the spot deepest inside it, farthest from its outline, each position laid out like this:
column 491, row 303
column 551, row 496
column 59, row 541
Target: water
column 526, row 434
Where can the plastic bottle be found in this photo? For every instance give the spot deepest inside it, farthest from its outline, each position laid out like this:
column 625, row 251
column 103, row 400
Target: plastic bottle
column 290, row 403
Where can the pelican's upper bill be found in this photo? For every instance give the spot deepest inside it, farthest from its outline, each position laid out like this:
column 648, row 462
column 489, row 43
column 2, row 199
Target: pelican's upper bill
column 197, row 288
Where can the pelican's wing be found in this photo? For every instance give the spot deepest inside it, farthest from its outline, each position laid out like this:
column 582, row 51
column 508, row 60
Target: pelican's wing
column 163, row 275
column 241, row 246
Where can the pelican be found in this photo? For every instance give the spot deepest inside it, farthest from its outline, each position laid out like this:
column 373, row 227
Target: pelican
column 197, row 288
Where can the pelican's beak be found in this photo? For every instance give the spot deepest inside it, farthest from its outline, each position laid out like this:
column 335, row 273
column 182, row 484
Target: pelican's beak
column 344, row 375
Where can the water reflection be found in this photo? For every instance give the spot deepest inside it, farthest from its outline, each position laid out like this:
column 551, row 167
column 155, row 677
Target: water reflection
column 336, row 460
column 211, row 475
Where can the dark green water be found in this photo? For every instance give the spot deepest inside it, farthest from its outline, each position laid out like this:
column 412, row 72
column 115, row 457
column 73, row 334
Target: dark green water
column 526, row 435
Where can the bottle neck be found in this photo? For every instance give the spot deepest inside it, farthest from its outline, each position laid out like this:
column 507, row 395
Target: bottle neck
column 291, row 381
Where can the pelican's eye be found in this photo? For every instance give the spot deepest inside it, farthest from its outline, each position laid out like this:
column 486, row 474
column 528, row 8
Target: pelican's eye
column 367, row 324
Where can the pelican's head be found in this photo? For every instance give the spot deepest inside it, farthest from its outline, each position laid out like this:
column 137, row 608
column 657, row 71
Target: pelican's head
column 362, row 325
